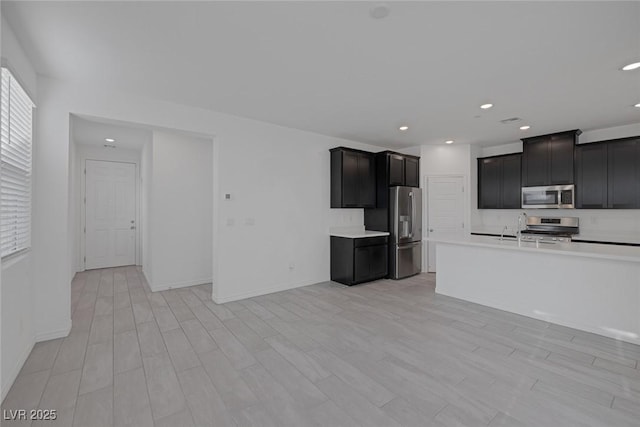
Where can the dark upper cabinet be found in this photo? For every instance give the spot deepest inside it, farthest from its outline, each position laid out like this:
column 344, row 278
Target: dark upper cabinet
column 591, row 176
column 608, row 174
column 623, row 174
column 561, row 158
column 535, row 163
column 396, row 170
column 353, row 178
column 548, row 159
column 412, row 172
column 489, row 176
column 499, row 182
column 350, row 179
column 511, row 186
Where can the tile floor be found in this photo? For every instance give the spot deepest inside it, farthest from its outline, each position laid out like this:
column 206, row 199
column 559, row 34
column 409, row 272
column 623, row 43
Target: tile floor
column 386, row 353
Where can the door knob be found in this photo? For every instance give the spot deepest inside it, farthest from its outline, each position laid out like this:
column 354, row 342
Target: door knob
column 431, row 230
column 133, row 227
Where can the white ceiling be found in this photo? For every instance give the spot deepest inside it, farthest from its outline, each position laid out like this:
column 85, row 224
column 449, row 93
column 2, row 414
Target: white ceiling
column 330, row 68
column 91, row 131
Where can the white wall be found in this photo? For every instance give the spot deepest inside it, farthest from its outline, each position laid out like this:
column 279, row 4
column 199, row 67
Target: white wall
column 181, row 211
column 609, row 133
column 439, row 160
column 14, row 57
column 605, row 224
column 17, row 329
column 145, row 203
column 84, row 152
column 442, row 160
column 277, row 176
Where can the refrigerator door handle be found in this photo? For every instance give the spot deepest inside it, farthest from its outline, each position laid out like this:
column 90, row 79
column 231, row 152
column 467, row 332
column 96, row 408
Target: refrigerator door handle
column 412, row 215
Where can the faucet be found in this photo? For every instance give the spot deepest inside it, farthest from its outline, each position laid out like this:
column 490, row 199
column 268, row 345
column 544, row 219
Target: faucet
column 505, row 228
column 521, row 217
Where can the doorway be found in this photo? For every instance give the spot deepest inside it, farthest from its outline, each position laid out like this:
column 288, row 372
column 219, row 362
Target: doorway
column 110, row 214
column 445, row 212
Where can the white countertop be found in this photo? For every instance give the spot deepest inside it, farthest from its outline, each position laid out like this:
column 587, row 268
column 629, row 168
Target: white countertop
column 589, row 250
column 356, row 232
column 590, row 236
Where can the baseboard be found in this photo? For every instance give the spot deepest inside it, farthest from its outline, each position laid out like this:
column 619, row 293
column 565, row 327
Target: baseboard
column 177, row 285
column 11, row 376
column 258, row 292
column 146, row 277
column 56, row 333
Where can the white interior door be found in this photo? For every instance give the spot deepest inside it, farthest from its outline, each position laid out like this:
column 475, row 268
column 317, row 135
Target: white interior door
column 445, row 212
column 110, row 214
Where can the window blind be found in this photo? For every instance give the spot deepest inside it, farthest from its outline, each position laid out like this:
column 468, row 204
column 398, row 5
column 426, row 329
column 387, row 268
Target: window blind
column 16, row 115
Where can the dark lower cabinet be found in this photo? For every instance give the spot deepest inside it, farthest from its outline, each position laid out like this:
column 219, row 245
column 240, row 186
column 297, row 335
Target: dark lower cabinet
column 358, row 260
column 608, row 174
column 499, row 182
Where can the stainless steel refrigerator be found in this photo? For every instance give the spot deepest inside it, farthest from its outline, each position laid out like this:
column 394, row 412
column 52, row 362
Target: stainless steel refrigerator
column 405, row 243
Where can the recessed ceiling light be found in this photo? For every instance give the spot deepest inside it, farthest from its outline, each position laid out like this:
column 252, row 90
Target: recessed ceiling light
column 110, row 140
column 630, row 67
column 637, row 105
column 379, row 11
column 525, row 127
column 486, row 106
column 449, row 141
column 403, row 128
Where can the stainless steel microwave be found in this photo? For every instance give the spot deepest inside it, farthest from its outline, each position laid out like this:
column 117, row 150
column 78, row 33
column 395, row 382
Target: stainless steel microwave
column 549, row 197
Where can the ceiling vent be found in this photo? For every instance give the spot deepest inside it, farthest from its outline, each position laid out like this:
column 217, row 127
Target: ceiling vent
column 511, row 120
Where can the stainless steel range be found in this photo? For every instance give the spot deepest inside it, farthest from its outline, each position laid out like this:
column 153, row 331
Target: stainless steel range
column 551, row 229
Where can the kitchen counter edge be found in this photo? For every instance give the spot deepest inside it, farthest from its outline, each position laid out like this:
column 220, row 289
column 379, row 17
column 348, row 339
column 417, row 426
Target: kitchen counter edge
column 359, row 234
column 587, row 250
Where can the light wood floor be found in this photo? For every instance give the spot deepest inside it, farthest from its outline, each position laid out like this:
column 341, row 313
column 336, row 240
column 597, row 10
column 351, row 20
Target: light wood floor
column 381, row 354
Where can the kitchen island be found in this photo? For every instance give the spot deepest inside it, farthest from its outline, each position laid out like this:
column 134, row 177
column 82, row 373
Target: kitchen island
column 591, row 287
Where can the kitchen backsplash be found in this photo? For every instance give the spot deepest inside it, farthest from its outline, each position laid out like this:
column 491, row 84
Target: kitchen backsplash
column 598, row 224
column 346, row 218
